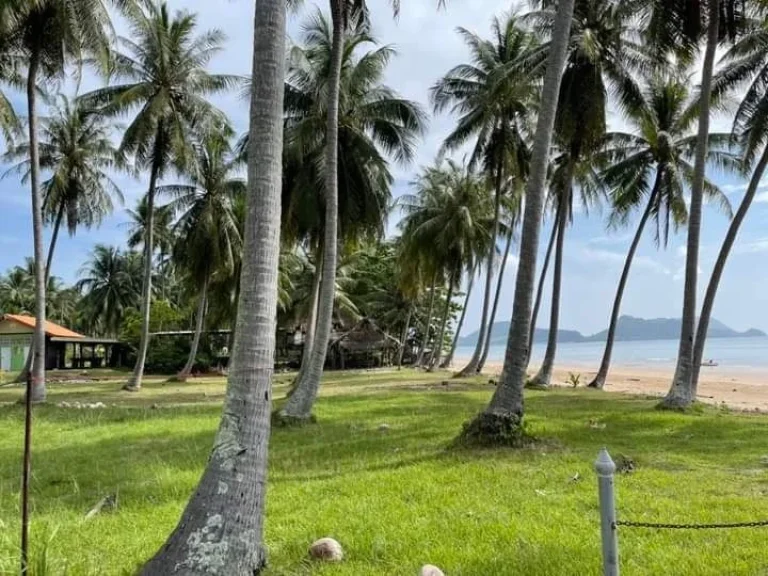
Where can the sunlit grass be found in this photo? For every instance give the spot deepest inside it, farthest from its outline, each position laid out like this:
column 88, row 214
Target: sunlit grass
column 400, row 498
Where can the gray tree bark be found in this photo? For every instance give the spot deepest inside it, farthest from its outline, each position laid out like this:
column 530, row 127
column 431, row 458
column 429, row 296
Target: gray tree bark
column 717, row 272
column 474, row 362
column 602, row 373
column 134, row 384
column 427, row 322
column 404, row 338
column 540, row 289
column 499, row 284
column 449, row 359
column 299, row 405
column 221, row 529
column 199, row 319
column 24, row 374
column 309, row 335
column 681, row 393
column 437, row 350
column 506, row 405
column 544, row 377
column 37, row 390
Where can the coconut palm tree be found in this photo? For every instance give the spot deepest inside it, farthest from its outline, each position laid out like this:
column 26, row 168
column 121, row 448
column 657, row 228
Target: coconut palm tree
column 371, row 124
column 17, row 291
column 110, row 284
column 163, row 68
column 565, row 173
column 207, row 232
column 47, row 35
column 451, row 214
column 76, row 149
column 494, row 96
column 592, row 67
column 231, row 492
column 746, row 62
column 652, row 166
column 501, row 421
column 676, row 26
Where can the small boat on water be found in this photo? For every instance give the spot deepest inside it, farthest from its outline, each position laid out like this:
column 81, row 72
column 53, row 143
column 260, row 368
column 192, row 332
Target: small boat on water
column 709, row 364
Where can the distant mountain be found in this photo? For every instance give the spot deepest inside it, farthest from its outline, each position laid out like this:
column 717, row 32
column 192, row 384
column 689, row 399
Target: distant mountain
column 629, row 328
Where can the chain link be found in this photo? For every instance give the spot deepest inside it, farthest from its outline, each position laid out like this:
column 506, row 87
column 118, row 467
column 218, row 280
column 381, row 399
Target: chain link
column 662, row 526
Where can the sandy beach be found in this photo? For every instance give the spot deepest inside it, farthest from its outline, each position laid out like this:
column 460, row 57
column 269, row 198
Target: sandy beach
column 739, row 389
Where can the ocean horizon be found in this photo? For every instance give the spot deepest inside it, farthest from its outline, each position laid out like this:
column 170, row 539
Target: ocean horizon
column 747, row 354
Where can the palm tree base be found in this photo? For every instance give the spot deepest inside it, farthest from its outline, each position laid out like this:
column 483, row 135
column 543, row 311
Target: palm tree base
column 282, row 420
column 537, row 384
column 131, row 388
column 676, row 404
column 489, row 430
column 597, row 383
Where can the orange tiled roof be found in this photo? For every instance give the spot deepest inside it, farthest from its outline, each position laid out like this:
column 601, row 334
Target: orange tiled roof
column 51, row 329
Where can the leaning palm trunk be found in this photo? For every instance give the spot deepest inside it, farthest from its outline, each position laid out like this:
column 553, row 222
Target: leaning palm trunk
column 495, row 308
column 544, row 377
column 199, row 319
column 501, row 421
column 134, row 384
column 309, row 334
column 540, row 289
column 449, row 359
column 472, row 367
column 36, row 385
column 24, row 374
column 717, row 272
column 427, row 322
column 602, row 373
column 437, row 349
column 299, row 405
column 404, row 337
column 221, row 529
column 681, row 393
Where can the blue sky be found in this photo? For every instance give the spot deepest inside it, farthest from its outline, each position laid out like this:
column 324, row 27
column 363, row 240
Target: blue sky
column 428, row 46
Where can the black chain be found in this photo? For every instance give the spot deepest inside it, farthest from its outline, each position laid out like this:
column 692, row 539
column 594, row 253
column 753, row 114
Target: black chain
column 660, row 526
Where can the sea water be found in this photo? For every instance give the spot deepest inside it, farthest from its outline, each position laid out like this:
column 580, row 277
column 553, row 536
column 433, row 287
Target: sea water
column 728, row 353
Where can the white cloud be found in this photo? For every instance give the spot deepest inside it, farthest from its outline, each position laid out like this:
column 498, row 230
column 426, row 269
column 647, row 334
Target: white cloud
column 609, row 240
column 617, row 259
column 755, row 246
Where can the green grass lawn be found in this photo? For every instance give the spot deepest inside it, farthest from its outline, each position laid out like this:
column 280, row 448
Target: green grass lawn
column 395, row 499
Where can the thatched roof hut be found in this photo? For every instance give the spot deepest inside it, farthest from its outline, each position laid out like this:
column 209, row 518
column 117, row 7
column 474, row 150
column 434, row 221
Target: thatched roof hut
column 365, row 345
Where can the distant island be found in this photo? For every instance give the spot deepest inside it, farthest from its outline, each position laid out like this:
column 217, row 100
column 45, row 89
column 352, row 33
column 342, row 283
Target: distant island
column 628, row 329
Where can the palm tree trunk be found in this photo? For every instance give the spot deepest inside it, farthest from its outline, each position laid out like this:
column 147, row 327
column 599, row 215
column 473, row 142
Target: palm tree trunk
column 427, row 322
column 134, row 384
column 200, row 318
column 221, row 529
column 299, row 406
column 505, row 410
column 544, row 376
column 309, row 336
column 449, row 359
column 602, row 373
column 233, row 332
column 36, row 385
column 717, row 271
column 474, row 362
column 681, row 394
column 23, row 375
column 495, row 308
column 540, row 289
column 437, row 350
column 404, row 337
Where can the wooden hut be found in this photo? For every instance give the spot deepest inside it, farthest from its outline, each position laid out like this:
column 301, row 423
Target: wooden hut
column 365, row 345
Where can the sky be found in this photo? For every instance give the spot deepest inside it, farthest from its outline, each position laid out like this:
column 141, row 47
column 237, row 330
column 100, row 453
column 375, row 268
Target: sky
column 427, row 47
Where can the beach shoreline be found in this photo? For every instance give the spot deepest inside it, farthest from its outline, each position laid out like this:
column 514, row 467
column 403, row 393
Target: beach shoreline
column 739, row 389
